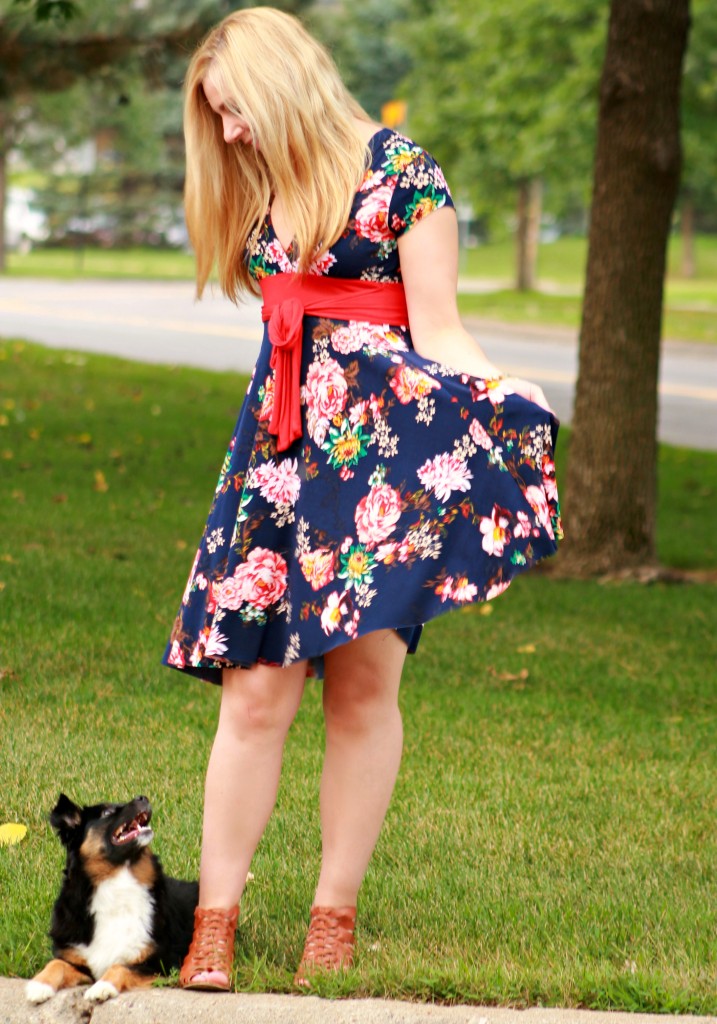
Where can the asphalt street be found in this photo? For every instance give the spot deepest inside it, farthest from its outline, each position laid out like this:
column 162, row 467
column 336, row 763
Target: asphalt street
column 163, row 323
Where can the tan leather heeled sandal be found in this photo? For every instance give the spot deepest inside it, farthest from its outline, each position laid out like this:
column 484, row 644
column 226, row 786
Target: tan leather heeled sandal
column 329, row 943
column 208, row 963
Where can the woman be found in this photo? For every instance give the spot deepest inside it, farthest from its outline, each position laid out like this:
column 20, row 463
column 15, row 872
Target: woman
column 377, row 476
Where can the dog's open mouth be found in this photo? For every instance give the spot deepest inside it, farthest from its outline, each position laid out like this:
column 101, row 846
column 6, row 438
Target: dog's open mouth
column 132, row 829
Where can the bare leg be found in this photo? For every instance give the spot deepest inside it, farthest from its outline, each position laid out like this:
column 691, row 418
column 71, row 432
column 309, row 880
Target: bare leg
column 258, row 706
column 364, row 739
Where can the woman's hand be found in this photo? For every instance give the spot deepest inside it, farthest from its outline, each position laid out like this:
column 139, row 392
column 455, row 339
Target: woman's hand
column 428, row 253
column 531, row 392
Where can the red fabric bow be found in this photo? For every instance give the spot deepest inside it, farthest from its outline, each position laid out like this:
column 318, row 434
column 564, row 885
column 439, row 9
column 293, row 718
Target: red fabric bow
column 285, row 326
column 287, row 299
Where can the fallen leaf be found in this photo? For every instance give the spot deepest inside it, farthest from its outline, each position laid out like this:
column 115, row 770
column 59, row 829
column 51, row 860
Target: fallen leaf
column 59, row 499
column 526, row 649
column 7, row 558
column 12, row 832
column 181, row 545
column 7, row 455
column 4, row 420
column 508, row 677
column 34, row 434
column 100, row 483
column 9, row 404
column 486, row 609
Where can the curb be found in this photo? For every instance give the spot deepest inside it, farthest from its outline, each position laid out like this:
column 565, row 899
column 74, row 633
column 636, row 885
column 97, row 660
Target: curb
column 170, row 1006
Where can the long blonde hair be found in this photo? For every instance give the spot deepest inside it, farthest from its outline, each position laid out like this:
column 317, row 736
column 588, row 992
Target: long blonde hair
column 287, row 87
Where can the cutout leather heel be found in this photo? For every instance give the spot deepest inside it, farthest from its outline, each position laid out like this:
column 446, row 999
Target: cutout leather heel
column 208, row 963
column 329, row 943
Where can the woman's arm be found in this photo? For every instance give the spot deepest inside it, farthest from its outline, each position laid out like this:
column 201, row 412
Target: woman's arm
column 429, row 266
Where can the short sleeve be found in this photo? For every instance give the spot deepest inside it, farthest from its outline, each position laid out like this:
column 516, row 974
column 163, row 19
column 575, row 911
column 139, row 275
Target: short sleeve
column 420, row 186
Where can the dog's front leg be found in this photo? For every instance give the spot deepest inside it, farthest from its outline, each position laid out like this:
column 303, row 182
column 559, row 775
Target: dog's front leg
column 55, row 975
column 116, row 979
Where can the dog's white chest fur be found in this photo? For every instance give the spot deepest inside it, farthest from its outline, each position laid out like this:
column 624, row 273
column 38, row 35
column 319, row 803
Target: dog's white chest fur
column 123, row 911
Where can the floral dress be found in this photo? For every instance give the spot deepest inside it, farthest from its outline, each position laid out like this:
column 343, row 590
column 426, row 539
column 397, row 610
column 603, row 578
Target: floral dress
column 414, row 488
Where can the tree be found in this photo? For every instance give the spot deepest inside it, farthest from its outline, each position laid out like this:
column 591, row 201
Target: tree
column 698, row 190
column 505, row 95
column 611, row 481
column 367, row 42
column 43, row 51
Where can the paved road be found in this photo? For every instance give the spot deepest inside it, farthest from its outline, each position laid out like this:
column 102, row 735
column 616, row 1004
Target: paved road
column 161, row 323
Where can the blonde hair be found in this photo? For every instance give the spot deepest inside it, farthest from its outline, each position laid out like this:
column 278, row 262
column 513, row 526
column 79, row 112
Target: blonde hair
column 287, row 87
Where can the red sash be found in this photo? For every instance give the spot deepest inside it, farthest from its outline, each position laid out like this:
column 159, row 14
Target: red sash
column 287, row 299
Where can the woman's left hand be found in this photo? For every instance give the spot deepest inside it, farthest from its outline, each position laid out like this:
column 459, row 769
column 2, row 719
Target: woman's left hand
column 531, row 392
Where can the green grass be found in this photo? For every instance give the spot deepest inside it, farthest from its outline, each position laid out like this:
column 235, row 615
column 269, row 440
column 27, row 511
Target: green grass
column 510, row 306
column 147, row 264
column 551, row 840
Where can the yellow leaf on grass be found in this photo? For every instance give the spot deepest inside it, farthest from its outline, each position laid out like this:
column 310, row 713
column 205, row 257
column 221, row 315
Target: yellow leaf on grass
column 100, row 483
column 12, row 832
column 486, row 609
column 526, row 649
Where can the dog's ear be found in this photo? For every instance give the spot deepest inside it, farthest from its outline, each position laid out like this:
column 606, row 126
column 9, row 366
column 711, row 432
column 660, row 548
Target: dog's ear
column 65, row 817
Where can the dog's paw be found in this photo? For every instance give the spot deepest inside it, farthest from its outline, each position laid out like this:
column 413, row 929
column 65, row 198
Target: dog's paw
column 38, row 992
column 100, row 992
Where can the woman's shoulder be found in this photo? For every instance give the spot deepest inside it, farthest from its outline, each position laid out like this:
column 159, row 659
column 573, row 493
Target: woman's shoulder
column 395, row 153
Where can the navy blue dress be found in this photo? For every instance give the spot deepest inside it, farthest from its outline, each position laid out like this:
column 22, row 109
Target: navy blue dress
column 414, row 489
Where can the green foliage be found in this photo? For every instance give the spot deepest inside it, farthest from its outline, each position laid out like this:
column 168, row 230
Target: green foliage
column 367, row 41
column 551, row 840
column 505, row 92
column 51, row 10
column 699, row 109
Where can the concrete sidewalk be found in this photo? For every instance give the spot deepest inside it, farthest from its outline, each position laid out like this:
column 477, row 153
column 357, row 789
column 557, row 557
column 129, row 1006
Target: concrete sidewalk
column 170, row 1006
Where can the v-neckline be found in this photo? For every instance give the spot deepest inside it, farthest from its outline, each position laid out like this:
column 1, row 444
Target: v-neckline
column 288, row 251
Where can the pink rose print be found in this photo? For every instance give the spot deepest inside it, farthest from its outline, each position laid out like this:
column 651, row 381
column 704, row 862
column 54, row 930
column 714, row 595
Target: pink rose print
column 263, row 577
column 326, row 389
column 539, row 503
column 443, row 474
column 323, row 264
column 479, row 435
column 495, row 530
column 409, row 384
column 229, row 593
column 260, row 582
column 317, row 567
column 372, row 215
column 377, row 514
column 278, row 482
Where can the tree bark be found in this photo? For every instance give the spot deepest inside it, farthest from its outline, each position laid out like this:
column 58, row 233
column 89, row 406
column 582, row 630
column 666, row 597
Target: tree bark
column 687, row 230
column 612, row 470
column 530, row 194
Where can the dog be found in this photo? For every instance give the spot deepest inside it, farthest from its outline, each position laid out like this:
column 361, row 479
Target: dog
column 118, row 920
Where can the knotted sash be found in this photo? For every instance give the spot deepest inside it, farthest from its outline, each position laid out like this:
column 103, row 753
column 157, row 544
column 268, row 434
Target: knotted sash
column 290, row 297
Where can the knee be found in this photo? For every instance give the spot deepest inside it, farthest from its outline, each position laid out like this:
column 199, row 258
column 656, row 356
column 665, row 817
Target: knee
column 252, row 709
column 356, row 701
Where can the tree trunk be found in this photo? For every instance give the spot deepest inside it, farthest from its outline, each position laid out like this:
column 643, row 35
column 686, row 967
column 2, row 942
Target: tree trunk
column 687, row 227
column 530, row 193
column 612, row 470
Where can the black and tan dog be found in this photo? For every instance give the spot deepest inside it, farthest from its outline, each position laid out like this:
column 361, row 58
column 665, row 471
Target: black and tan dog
column 118, row 921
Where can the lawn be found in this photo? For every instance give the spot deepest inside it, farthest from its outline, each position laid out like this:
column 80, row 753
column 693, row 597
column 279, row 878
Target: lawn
column 551, row 840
